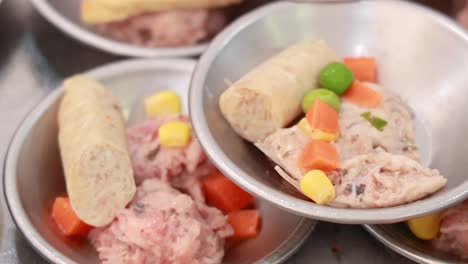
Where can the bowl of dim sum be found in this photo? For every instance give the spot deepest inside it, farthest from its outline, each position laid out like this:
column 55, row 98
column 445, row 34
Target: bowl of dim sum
column 435, row 238
column 351, row 117
column 142, row 28
column 93, row 175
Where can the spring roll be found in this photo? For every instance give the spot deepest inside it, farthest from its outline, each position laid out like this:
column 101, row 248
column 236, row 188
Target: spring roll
column 269, row 96
column 105, row 11
column 93, row 148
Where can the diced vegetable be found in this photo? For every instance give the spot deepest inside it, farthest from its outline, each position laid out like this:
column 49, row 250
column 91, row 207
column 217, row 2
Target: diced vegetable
column 364, row 68
column 246, row 223
column 67, row 220
column 425, row 227
column 377, row 122
column 317, row 186
column 319, row 155
column 174, row 134
column 315, row 134
column 325, row 95
column 322, row 117
column 336, row 77
column 223, row 194
column 162, row 103
column 360, row 94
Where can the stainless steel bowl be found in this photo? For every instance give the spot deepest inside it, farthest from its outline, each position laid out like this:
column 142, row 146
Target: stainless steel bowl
column 399, row 238
column 65, row 16
column 33, row 174
column 422, row 55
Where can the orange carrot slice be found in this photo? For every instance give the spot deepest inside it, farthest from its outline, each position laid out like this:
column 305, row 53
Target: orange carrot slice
column 363, row 68
column 319, row 155
column 246, row 224
column 67, row 220
column 323, row 117
column 223, row 194
column 360, row 94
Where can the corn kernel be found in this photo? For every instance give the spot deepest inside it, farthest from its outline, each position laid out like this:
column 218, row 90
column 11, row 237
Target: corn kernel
column 316, row 185
column 162, row 103
column 425, row 227
column 315, row 134
column 174, row 134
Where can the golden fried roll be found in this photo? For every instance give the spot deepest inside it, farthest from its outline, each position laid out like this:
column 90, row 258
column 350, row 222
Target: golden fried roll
column 105, row 11
column 269, row 96
column 96, row 163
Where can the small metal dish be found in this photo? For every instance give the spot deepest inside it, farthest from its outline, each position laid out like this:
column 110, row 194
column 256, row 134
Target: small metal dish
column 398, row 238
column 33, row 174
column 422, row 56
column 65, row 16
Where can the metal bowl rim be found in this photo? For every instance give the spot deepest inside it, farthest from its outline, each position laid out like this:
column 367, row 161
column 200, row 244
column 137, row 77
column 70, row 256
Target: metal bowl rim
column 402, row 249
column 108, row 45
column 295, row 240
column 285, row 201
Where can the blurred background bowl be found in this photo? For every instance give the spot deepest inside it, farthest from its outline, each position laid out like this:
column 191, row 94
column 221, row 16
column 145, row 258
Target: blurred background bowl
column 65, row 15
column 400, row 239
column 422, row 55
column 33, row 174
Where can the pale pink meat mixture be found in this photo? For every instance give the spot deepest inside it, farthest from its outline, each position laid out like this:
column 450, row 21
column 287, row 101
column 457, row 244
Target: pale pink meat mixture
column 167, row 29
column 182, row 167
column 168, row 220
column 163, row 225
column 453, row 236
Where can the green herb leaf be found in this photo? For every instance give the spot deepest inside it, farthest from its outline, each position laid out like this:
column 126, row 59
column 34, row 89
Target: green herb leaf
column 367, row 116
column 377, row 122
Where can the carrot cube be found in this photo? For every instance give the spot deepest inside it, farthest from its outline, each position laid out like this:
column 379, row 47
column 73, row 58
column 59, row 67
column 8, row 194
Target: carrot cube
column 322, row 117
column 360, row 94
column 223, row 194
column 363, row 68
column 246, row 223
column 67, row 220
column 319, row 155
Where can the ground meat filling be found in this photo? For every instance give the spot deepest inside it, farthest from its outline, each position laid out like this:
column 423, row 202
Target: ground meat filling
column 167, row 29
column 182, row 167
column 163, row 225
column 453, row 236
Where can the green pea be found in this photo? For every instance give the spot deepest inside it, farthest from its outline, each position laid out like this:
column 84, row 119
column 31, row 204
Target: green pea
column 336, row 77
column 325, row 95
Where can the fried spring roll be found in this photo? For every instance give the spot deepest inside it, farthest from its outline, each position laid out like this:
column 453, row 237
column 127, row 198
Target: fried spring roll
column 269, row 97
column 105, row 11
column 96, row 163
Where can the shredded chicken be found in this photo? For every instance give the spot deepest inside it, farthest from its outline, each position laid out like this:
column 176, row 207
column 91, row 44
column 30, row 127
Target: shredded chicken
column 378, row 168
column 381, row 179
column 358, row 136
column 284, row 147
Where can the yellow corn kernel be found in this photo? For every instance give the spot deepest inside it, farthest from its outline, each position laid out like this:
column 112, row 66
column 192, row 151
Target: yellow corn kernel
column 316, row 185
column 162, row 103
column 174, row 134
column 425, row 227
column 315, row 134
